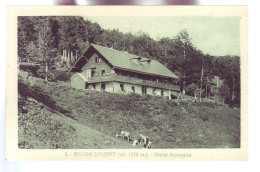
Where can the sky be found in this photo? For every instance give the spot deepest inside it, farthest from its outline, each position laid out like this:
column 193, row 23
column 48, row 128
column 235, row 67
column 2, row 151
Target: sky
column 213, row 35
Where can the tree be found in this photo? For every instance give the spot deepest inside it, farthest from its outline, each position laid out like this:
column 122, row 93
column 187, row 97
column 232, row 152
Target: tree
column 141, row 44
column 228, row 69
column 94, row 32
column 224, row 91
column 31, row 51
column 206, row 73
column 26, row 35
column 112, row 38
column 72, row 37
column 164, row 46
column 191, row 89
column 207, row 86
column 47, row 51
column 185, row 58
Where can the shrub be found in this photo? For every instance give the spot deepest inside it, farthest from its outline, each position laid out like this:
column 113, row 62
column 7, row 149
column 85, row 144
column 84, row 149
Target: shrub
column 135, row 96
column 41, row 74
column 54, row 75
column 61, row 75
column 190, row 89
column 29, row 68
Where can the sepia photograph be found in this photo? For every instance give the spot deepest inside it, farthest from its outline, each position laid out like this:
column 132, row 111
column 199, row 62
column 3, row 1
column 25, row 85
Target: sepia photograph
column 102, row 82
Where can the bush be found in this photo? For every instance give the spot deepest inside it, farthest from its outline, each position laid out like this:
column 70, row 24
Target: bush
column 233, row 103
column 54, row 75
column 61, row 75
column 29, row 68
column 41, row 74
column 190, row 89
column 135, row 96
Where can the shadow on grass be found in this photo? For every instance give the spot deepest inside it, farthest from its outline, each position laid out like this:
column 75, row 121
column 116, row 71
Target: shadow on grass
column 42, row 97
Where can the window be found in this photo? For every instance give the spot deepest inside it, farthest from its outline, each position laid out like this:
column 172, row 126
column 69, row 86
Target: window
column 133, row 89
column 103, row 86
column 94, row 86
column 144, row 89
column 154, row 89
column 98, row 60
column 122, row 87
column 162, row 92
column 92, row 73
column 103, row 72
column 86, row 85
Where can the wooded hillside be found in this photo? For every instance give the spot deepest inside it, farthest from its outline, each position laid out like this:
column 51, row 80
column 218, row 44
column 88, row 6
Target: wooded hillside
column 57, row 42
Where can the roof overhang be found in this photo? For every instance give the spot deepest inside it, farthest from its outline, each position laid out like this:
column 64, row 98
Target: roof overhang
column 116, row 67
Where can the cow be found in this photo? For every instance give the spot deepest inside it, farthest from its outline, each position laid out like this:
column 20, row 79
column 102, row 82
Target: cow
column 143, row 140
column 135, row 142
column 148, row 145
column 125, row 135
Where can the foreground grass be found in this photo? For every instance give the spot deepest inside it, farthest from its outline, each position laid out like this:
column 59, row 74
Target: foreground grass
column 37, row 129
column 43, row 128
column 169, row 124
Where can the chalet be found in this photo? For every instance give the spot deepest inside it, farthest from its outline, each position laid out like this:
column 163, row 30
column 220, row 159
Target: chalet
column 106, row 69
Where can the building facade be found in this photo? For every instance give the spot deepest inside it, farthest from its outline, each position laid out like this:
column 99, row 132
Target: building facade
column 107, row 69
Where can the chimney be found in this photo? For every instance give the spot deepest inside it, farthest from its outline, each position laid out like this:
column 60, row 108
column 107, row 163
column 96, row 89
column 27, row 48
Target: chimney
column 146, row 60
column 136, row 60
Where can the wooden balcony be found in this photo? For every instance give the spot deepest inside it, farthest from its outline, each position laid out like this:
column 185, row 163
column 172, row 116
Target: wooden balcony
column 131, row 80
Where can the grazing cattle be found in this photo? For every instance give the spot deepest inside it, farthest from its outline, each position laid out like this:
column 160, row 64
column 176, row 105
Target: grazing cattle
column 148, row 145
column 135, row 143
column 141, row 141
column 125, row 135
column 118, row 135
column 144, row 141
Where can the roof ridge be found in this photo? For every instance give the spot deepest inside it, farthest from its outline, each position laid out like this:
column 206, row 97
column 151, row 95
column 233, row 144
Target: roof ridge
column 123, row 52
column 120, row 59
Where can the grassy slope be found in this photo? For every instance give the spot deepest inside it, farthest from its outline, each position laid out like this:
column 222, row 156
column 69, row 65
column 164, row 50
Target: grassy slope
column 167, row 123
column 43, row 128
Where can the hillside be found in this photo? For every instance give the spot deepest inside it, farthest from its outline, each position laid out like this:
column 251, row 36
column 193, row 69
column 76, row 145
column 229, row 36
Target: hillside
column 54, row 115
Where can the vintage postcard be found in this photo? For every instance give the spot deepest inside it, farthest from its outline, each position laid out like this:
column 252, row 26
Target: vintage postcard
column 127, row 83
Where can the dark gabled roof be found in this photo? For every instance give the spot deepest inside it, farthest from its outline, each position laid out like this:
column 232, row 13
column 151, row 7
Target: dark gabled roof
column 125, row 61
